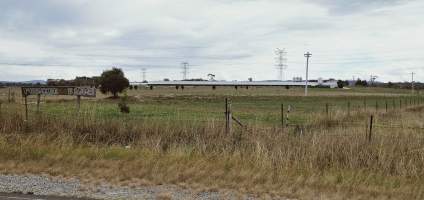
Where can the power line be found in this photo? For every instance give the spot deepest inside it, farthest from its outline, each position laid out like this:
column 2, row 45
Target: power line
column 281, row 53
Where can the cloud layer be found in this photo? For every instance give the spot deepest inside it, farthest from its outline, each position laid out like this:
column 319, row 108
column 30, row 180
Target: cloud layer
column 233, row 39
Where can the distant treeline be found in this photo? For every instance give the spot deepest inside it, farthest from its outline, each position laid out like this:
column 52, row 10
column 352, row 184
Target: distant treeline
column 365, row 83
column 78, row 81
column 403, row 85
column 8, row 84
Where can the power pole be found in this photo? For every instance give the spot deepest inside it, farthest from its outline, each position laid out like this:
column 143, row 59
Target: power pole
column 143, row 71
column 412, row 82
column 281, row 53
column 307, row 55
column 185, row 69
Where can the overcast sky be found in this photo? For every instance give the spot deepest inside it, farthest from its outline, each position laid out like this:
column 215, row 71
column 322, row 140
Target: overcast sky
column 233, row 39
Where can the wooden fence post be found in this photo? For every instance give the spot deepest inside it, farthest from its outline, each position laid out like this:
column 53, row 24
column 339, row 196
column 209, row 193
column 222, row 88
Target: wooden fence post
column 400, row 103
column 228, row 117
column 370, row 128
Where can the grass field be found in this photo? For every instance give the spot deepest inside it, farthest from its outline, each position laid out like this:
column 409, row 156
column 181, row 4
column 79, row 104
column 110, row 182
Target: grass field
column 178, row 137
column 256, row 105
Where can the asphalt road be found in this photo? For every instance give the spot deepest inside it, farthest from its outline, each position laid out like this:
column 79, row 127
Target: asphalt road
column 17, row 196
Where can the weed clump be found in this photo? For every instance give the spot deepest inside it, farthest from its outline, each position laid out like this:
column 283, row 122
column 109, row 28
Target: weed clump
column 123, row 104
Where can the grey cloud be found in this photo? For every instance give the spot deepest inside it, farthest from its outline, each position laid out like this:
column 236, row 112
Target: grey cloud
column 73, row 35
column 345, row 7
column 24, row 14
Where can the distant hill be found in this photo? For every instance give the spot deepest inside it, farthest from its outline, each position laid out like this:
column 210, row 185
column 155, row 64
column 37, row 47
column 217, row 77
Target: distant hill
column 31, row 82
column 42, row 82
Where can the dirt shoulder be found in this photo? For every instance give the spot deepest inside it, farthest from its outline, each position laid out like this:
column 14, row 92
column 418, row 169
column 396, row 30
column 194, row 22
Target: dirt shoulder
column 47, row 187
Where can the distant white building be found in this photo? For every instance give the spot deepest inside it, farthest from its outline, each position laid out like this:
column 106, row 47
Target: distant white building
column 328, row 83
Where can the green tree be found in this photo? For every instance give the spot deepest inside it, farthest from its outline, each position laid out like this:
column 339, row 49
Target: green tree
column 340, row 84
column 113, row 81
column 360, row 82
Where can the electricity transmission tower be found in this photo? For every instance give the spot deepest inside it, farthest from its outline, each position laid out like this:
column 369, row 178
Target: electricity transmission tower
column 281, row 59
column 307, row 55
column 412, row 82
column 185, row 69
column 372, row 79
column 143, row 71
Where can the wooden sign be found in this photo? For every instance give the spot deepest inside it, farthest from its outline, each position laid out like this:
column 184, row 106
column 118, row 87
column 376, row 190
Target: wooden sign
column 61, row 90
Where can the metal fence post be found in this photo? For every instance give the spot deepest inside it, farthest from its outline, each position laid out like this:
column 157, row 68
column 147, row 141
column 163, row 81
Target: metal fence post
column 386, row 106
column 226, row 115
column 282, row 116
column 230, row 118
column 370, row 128
column 287, row 115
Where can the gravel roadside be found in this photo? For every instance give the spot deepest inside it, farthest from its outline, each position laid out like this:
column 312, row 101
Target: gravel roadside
column 49, row 186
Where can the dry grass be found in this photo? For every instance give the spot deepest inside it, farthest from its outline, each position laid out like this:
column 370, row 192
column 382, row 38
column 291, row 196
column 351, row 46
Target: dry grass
column 164, row 196
column 329, row 157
